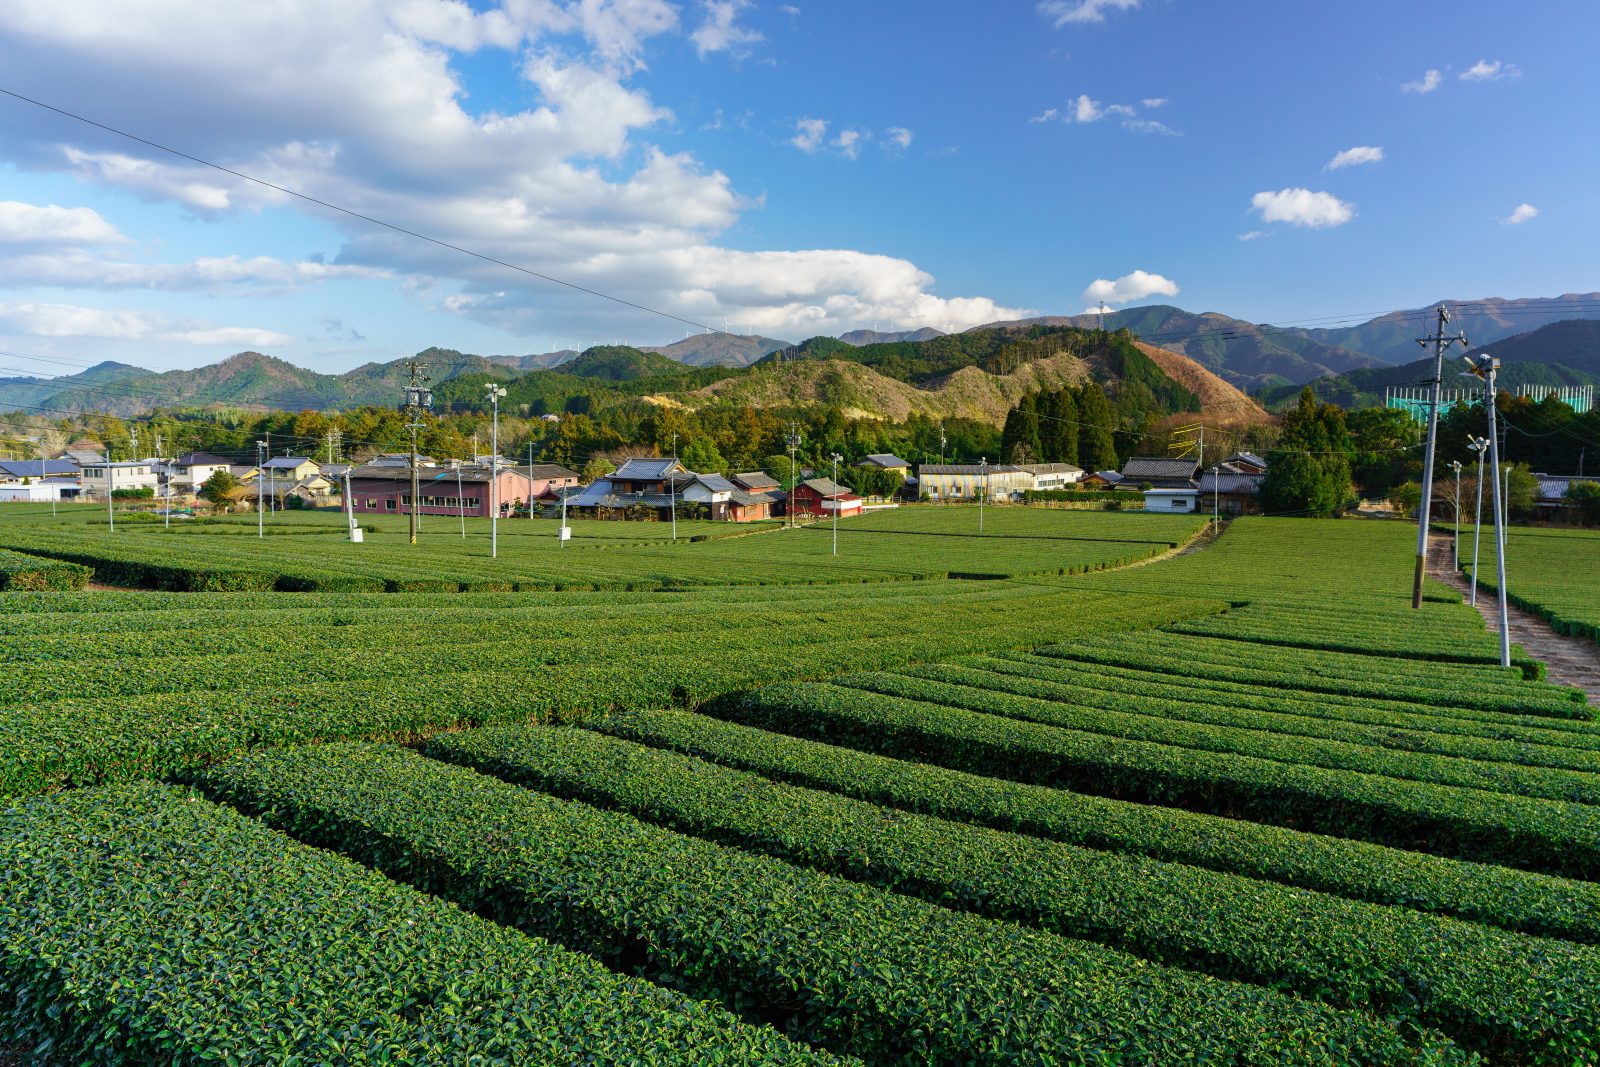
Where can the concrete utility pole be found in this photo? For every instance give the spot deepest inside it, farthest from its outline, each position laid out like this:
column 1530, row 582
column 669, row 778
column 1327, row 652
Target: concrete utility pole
column 1455, row 542
column 983, row 489
column 1485, row 366
column 530, row 479
column 261, row 461
column 166, row 487
column 111, row 512
column 461, row 502
column 495, row 393
column 672, row 485
column 836, row 503
column 792, row 438
column 418, row 399
column 1439, row 342
column 1479, row 445
column 349, row 507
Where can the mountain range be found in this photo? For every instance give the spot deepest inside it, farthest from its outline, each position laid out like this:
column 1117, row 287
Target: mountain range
column 1349, row 363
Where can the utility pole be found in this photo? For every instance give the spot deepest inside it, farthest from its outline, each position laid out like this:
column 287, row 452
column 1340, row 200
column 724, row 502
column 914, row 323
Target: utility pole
column 461, row 503
column 1455, row 542
column 672, row 481
column 836, row 503
column 1485, row 366
column 261, row 460
column 111, row 511
column 942, row 442
column 166, row 488
column 418, row 399
column 495, row 393
column 792, row 438
column 530, row 479
column 1439, row 342
column 330, row 448
column 1216, row 499
column 983, row 490
column 349, row 507
column 1479, row 445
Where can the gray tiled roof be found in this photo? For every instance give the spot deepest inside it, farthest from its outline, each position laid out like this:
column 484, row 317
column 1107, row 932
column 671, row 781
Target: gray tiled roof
column 883, row 459
column 200, row 459
column 756, row 480
column 1239, row 484
column 646, row 469
column 716, row 483
column 1159, row 468
column 826, row 487
column 965, row 468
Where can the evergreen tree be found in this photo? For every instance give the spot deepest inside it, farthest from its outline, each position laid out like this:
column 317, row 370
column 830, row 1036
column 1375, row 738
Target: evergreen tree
column 1309, row 472
column 1097, row 447
column 1067, row 417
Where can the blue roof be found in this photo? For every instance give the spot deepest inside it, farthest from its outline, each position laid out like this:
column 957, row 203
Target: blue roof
column 37, row 468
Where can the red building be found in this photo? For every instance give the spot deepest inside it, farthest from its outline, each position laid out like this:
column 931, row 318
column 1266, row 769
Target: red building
column 822, row 496
column 385, row 489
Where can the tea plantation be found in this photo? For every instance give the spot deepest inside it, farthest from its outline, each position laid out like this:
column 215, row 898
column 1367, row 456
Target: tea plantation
column 1553, row 573
column 943, row 798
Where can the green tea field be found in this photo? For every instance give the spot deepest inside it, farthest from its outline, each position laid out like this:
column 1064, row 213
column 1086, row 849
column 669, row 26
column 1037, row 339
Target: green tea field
column 1550, row 572
column 1053, row 793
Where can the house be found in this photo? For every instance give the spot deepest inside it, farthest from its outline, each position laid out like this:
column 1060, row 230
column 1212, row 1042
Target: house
column 1101, row 480
column 35, row 491
column 315, row 491
column 1553, row 489
column 649, row 483
column 1048, row 476
column 745, row 506
column 190, row 471
column 1246, row 463
column 886, row 461
column 129, row 474
column 1230, row 492
column 540, row 481
column 290, row 468
column 756, row 482
column 823, row 496
column 84, row 452
column 1171, row 500
column 711, row 491
column 14, row 470
column 1161, row 472
column 384, row 488
column 966, row 481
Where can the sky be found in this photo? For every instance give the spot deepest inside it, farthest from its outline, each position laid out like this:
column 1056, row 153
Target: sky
column 787, row 169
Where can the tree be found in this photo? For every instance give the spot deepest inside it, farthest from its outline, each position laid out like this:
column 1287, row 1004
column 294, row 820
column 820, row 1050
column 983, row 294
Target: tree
column 597, row 467
column 1309, row 472
column 702, row 457
column 1585, row 496
column 1406, row 498
column 1097, row 446
column 221, row 488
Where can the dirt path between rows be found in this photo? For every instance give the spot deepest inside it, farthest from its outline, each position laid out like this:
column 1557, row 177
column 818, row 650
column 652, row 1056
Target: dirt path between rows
column 1573, row 661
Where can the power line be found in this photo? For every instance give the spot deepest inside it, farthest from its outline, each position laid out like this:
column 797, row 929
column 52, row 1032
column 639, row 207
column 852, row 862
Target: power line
column 351, row 212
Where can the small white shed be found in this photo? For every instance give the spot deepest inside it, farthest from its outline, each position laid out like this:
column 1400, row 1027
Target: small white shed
column 1171, row 500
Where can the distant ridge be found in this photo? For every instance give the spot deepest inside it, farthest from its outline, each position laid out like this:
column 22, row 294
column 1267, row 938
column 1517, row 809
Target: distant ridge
column 718, row 349
column 873, row 337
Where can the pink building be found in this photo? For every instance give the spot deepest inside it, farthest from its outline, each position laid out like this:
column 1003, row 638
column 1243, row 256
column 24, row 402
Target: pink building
column 385, row 489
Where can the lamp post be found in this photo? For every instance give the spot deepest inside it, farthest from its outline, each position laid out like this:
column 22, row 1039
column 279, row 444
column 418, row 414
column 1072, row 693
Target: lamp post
column 983, row 487
column 1480, row 446
column 261, row 453
column 495, row 392
column 1485, row 367
column 836, row 503
column 1455, row 542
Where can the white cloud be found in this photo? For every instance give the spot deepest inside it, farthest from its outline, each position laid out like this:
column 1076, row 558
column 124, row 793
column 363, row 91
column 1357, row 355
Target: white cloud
column 1429, row 81
column 898, row 137
column 211, row 275
column 22, row 223
column 1254, row 235
column 1130, row 287
column 790, row 10
column 1520, row 214
column 68, row 320
column 849, row 143
column 1085, row 109
column 1490, row 71
column 721, row 32
column 1153, row 102
column 810, row 135
column 1355, row 157
column 362, row 103
column 1302, row 207
column 1046, row 115
column 1150, row 126
column 1067, row 12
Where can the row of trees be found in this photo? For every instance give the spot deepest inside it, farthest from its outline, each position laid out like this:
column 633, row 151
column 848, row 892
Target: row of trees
column 1068, row 425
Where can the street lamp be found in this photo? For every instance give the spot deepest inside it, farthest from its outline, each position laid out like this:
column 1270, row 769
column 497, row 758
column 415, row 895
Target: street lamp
column 983, row 488
column 836, row 503
column 1485, row 367
column 495, row 392
column 1455, row 542
column 1479, row 445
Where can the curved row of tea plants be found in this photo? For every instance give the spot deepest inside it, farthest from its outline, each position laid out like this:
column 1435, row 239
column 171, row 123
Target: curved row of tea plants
column 847, row 966
column 141, row 924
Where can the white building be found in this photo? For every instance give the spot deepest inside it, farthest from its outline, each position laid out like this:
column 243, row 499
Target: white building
column 967, row 481
column 129, row 474
column 36, row 492
column 1052, row 475
column 1171, row 500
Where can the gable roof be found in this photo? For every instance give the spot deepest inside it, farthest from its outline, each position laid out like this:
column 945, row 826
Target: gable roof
column 81, row 456
column 550, row 472
column 646, row 470
column 287, row 463
column 1109, row 477
column 884, row 460
column 1240, row 484
column 1150, row 468
column 827, row 488
column 756, row 481
column 37, row 468
column 200, row 459
column 1247, row 457
column 716, row 483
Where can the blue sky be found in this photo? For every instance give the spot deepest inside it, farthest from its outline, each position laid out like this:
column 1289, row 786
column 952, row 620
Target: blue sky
column 790, row 169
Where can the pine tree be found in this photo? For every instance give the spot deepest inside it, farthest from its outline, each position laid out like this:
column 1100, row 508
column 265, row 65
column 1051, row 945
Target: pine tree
column 1067, row 417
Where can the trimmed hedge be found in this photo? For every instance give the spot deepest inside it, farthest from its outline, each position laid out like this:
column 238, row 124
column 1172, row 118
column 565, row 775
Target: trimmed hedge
column 1247, row 733
column 22, row 572
column 1498, row 896
column 1509, row 996
column 142, row 925
column 849, row 966
column 1534, row 833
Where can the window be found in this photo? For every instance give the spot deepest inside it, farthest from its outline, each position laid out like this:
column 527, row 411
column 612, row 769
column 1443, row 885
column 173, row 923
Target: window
column 389, row 504
column 372, row 503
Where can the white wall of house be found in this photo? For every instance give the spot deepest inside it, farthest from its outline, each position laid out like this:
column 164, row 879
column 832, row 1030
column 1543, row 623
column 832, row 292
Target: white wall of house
column 1171, row 499
column 133, row 474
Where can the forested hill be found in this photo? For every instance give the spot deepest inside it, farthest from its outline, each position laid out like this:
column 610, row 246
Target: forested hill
column 1562, row 353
